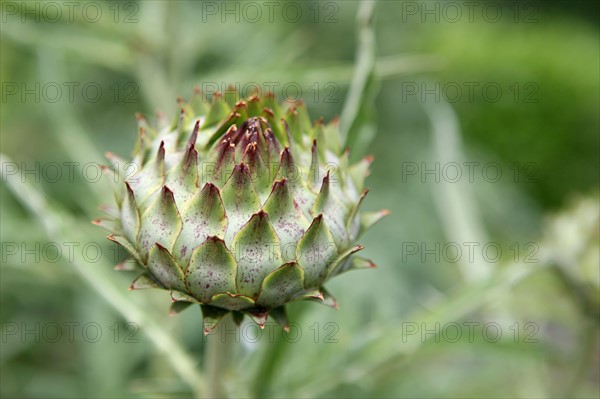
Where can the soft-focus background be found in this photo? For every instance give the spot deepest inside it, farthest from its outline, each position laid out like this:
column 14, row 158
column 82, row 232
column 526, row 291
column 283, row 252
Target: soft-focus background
column 482, row 116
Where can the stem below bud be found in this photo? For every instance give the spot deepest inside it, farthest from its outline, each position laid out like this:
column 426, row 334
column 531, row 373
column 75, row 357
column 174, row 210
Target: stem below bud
column 218, row 357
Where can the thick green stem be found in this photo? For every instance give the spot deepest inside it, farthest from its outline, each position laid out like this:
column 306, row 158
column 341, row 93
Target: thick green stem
column 219, row 351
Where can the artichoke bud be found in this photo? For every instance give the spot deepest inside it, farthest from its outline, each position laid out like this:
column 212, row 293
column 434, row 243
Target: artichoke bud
column 240, row 206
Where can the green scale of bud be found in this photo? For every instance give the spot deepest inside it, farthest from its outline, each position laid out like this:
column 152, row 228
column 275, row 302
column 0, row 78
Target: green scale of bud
column 239, row 206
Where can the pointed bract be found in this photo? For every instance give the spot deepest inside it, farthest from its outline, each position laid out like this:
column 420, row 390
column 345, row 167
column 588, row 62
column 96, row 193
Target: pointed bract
column 240, row 199
column 292, row 171
column 128, row 265
column 222, row 163
column 144, row 281
column 359, row 172
column 333, row 211
column 353, row 222
column 112, row 225
column 211, row 316
column 110, row 210
column 211, row 270
column 257, row 250
column 259, row 316
column 204, row 217
column 183, row 178
column 286, row 217
column 280, row 316
column 338, row 263
column 326, row 299
column 259, row 171
column 164, row 269
column 316, row 252
column 128, row 246
column 148, row 177
column 130, row 217
column 309, row 294
column 238, row 317
column 369, row 219
column 161, row 223
column 178, row 307
column 280, row 285
column 358, row 263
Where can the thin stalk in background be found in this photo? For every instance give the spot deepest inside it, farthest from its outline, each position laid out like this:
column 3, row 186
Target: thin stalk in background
column 354, row 121
column 456, row 205
column 59, row 225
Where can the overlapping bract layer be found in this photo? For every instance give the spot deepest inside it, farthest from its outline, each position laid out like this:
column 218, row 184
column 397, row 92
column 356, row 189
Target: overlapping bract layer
column 239, row 206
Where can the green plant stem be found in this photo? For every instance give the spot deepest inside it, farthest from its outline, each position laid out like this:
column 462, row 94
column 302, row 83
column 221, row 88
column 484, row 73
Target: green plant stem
column 363, row 74
column 218, row 356
column 455, row 203
column 274, row 354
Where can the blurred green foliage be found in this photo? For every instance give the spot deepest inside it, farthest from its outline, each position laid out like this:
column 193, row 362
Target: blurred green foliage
column 172, row 48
